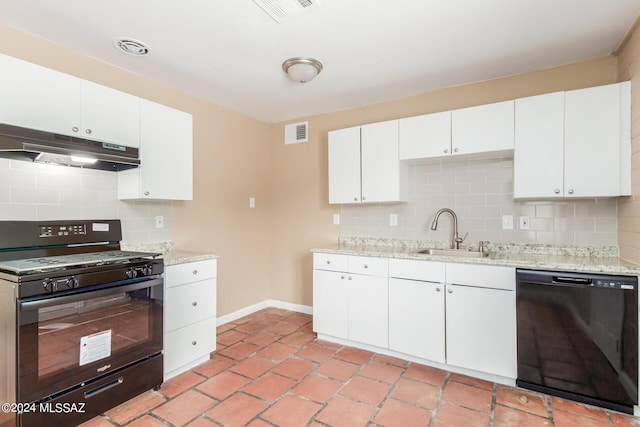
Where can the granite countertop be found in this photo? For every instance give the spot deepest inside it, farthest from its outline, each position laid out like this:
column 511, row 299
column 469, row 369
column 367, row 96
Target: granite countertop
column 540, row 257
column 170, row 254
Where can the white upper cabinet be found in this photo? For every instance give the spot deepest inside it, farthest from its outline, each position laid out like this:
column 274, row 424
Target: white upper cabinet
column 425, row 136
column 538, row 159
column 39, row 98
column 364, row 165
column 109, row 115
column 166, row 156
column 597, row 141
column 344, row 165
column 573, row 144
column 482, row 129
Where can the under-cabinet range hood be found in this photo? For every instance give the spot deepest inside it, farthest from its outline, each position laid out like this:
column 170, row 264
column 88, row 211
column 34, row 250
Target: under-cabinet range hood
column 19, row 143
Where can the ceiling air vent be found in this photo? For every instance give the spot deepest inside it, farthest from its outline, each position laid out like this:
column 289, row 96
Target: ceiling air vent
column 296, row 133
column 282, row 10
column 131, row 46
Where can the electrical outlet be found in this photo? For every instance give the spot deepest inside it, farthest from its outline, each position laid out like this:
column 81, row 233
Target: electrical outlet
column 393, row 220
column 159, row 221
column 507, row 222
column 336, row 219
column 524, row 223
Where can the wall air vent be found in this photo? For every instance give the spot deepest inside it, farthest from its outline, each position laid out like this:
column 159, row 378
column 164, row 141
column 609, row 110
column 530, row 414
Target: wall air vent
column 296, row 133
column 282, row 10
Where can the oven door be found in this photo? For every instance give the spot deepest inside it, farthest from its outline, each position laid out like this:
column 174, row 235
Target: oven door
column 64, row 341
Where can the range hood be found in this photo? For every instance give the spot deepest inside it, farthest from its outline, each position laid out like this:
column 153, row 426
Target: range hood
column 19, row 143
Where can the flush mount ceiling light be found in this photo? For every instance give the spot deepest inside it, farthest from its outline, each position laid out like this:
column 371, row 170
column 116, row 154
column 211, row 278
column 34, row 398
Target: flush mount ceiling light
column 130, row 46
column 302, row 70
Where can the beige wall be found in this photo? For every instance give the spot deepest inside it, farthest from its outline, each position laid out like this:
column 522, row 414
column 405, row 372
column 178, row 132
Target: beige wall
column 302, row 218
column 629, row 207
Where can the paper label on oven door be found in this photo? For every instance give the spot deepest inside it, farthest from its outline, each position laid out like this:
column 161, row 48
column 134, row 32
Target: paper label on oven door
column 95, row 347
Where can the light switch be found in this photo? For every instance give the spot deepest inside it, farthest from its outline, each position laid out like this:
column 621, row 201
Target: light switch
column 507, row 222
column 336, row 219
column 252, row 202
column 393, row 220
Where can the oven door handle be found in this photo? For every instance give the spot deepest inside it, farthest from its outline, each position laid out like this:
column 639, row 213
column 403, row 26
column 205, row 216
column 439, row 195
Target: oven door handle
column 82, row 296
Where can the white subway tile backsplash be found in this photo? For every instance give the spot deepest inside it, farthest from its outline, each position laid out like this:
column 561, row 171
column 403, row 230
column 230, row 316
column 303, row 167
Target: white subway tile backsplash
column 32, row 191
column 481, row 191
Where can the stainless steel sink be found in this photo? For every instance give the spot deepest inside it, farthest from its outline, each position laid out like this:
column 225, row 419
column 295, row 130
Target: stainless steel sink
column 454, row 252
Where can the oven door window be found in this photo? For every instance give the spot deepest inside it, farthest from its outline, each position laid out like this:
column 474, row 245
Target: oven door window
column 67, row 340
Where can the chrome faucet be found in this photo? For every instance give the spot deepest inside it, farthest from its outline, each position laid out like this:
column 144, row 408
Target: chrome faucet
column 455, row 239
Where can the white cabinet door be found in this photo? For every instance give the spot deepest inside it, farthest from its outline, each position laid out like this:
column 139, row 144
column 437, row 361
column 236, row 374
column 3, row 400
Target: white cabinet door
column 38, row 98
column 481, row 329
column 368, row 312
column 330, row 301
column 166, row 159
column 538, row 159
column 190, row 303
column 416, row 319
column 425, row 136
column 381, row 178
column 344, row 165
column 110, row 115
column 592, row 141
column 483, row 128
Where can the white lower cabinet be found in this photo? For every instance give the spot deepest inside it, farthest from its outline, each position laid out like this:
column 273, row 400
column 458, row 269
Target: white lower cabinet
column 350, row 297
column 458, row 315
column 190, row 315
column 416, row 319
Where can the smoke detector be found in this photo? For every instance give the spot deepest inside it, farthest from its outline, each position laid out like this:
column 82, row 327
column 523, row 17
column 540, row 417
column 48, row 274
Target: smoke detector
column 283, row 10
column 131, row 46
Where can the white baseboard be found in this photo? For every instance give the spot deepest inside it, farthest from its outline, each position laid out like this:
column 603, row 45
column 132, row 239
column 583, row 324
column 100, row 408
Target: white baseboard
column 260, row 306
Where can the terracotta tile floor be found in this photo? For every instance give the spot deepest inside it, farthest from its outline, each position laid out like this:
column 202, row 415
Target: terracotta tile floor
column 269, row 370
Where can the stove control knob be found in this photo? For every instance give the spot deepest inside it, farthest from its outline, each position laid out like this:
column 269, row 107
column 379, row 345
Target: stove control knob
column 131, row 273
column 49, row 285
column 72, row 282
column 147, row 270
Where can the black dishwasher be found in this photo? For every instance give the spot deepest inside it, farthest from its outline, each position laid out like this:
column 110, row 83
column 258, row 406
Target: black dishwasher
column 578, row 336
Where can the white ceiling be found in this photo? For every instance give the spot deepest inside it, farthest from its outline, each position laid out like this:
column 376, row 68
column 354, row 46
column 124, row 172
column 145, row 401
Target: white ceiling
column 230, row 52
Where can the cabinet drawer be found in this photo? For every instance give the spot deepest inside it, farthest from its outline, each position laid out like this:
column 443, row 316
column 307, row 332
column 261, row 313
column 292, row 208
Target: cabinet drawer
column 482, row 276
column 426, row 271
column 180, row 274
column 333, row 262
column 369, row 266
column 189, row 343
column 190, row 303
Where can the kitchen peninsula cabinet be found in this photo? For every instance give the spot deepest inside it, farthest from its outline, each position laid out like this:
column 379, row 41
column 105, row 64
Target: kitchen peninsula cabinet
column 580, row 139
column 166, row 159
column 40, row 98
column 190, row 315
column 364, row 165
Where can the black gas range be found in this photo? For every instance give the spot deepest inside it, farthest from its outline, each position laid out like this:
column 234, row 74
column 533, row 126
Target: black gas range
column 82, row 320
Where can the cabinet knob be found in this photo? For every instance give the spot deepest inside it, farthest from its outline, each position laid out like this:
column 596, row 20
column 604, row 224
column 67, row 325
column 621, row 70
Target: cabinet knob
column 75, row 129
column 195, row 303
column 355, row 199
column 437, row 289
column 194, row 342
column 450, row 291
column 342, row 277
column 455, row 150
column 364, row 198
column 146, row 193
column 328, row 262
column 194, row 272
column 557, row 191
column 349, row 277
column 366, row 266
column 570, row 191
column 446, row 150
column 88, row 131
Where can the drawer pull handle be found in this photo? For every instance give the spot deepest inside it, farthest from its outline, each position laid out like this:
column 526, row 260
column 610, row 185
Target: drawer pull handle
column 195, row 271
column 194, row 342
column 194, row 303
